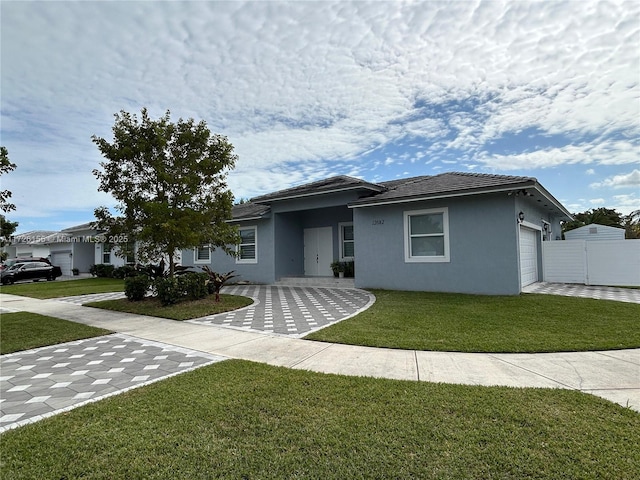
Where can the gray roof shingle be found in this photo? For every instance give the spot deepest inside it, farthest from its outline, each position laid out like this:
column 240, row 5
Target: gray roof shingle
column 444, row 184
column 332, row 184
column 249, row 210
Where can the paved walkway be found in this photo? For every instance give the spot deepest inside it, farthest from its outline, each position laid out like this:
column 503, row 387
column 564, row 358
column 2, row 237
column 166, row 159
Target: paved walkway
column 631, row 295
column 46, row 381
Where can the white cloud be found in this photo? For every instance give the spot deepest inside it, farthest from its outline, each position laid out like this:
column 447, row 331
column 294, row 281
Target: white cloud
column 304, row 89
column 631, row 179
column 605, row 153
column 597, row 201
column 590, row 171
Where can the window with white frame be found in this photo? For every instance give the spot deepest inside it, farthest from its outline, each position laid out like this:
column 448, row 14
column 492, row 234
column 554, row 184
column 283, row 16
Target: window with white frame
column 248, row 246
column 347, row 244
column 426, row 235
column 106, row 253
column 202, row 254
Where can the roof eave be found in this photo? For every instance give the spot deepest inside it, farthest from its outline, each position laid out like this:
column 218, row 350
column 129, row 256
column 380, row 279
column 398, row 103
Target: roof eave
column 313, row 194
column 245, row 219
column 437, row 196
column 543, row 191
column 507, row 188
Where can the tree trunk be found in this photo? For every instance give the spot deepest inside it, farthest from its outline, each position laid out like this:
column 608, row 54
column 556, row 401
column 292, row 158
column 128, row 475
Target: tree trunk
column 172, row 266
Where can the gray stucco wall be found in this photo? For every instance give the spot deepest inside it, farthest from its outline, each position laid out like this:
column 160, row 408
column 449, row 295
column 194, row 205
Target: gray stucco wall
column 483, row 248
column 260, row 272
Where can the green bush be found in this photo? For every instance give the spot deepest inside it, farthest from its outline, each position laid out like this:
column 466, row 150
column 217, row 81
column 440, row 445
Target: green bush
column 102, row 270
column 124, row 271
column 188, row 286
column 193, row 285
column 135, row 288
column 168, row 290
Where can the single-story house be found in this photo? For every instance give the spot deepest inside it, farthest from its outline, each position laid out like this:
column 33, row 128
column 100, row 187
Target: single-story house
column 453, row 232
column 70, row 248
column 595, row 232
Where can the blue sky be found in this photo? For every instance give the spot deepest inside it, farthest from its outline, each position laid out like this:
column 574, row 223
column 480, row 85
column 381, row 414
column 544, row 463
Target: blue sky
column 307, row 90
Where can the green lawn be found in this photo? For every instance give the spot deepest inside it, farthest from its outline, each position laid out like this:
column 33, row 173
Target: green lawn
column 67, row 288
column 237, row 419
column 22, row 331
column 181, row 311
column 470, row 323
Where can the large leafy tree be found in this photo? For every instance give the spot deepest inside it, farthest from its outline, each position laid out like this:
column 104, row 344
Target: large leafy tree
column 7, row 228
column 169, row 181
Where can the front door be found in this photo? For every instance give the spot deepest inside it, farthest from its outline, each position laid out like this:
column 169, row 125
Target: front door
column 318, row 251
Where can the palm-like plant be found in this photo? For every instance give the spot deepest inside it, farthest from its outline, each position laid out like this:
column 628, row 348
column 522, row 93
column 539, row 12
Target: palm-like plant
column 217, row 280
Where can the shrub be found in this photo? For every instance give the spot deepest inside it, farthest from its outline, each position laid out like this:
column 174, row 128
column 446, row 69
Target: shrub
column 193, row 285
column 168, row 290
column 135, row 288
column 102, row 270
column 124, row 271
column 216, row 280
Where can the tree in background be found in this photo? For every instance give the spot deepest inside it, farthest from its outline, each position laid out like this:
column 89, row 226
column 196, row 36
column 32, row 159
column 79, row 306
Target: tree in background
column 632, row 225
column 609, row 217
column 169, row 182
column 5, row 167
column 7, row 228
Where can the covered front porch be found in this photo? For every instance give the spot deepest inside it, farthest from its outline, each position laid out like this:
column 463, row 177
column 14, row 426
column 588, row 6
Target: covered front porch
column 308, row 242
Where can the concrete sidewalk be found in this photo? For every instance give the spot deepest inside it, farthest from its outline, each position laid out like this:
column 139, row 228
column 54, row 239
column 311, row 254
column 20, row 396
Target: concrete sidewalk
column 613, row 375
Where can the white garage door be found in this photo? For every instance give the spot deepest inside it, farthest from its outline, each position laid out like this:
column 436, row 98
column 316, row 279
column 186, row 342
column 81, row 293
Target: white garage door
column 528, row 256
column 62, row 260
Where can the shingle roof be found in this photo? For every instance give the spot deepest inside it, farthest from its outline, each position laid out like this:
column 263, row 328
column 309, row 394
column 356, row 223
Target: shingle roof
column 249, row 210
column 84, row 226
column 445, row 184
column 332, row 184
column 35, row 237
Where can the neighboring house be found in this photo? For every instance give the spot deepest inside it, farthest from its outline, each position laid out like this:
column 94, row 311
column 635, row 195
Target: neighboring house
column 76, row 247
column 70, row 248
column 33, row 243
column 595, row 232
column 453, row 232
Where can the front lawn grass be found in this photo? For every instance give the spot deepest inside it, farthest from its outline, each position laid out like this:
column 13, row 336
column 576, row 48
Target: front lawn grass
column 23, row 331
column 66, row 288
column 181, row 311
column 237, row 419
column 474, row 323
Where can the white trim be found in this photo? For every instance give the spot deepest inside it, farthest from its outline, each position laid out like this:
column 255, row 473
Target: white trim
column 255, row 237
column 532, row 226
column 244, row 219
column 408, row 258
column 196, row 261
column 341, row 241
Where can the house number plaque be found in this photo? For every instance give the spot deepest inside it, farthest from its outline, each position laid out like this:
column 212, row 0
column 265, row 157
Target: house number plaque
column 378, row 222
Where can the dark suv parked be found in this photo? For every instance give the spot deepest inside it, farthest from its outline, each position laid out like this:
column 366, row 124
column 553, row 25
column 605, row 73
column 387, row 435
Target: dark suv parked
column 29, row 271
column 12, row 261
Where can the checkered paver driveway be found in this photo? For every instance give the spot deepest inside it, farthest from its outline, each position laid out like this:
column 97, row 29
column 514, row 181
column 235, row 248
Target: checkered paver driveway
column 290, row 310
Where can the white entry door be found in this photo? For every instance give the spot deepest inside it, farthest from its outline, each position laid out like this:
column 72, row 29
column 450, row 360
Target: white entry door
column 528, row 256
column 318, row 251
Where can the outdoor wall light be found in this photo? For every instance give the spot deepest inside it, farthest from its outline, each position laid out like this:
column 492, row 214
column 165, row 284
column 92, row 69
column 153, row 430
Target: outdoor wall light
column 520, row 217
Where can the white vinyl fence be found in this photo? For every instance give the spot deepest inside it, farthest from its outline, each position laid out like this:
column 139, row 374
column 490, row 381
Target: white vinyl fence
column 609, row 262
